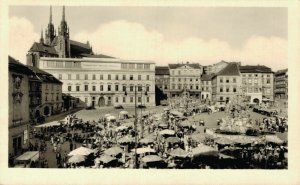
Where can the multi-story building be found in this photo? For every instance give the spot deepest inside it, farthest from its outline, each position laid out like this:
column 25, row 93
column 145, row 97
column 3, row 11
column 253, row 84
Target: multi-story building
column 185, row 80
column 162, row 79
column 18, row 97
column 257, row 83
column 206, row 87
column 226, row 83
column 281, row 84
column 35, row 97
column 104, row 81
column 51, row 93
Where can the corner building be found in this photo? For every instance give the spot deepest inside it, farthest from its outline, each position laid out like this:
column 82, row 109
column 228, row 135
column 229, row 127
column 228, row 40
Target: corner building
column 104, row 81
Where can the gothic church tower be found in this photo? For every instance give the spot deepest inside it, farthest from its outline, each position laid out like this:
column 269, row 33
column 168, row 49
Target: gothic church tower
column 50, row 32
column 63, row 39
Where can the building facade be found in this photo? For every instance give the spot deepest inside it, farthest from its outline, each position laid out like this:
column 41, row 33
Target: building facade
column 104, row 81
column 18, row 97
column 162, row 78
column 206, row 87
column 51, row 94
column 185, row 80
column 226, row 84
column 257, row 83
column 281, row 84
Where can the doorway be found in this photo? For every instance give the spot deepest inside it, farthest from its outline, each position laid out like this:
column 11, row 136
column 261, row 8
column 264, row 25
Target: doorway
column 101, row 102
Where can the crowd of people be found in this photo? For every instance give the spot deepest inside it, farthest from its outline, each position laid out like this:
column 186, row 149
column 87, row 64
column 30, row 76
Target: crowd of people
column 169, row 138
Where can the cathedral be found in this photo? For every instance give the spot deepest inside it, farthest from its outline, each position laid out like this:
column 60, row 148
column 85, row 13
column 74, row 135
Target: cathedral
column 57, row 44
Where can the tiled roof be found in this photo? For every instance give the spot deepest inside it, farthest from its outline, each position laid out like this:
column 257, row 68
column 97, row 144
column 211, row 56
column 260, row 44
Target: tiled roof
column 174, row 66
column 255, row 69
column 39, row 47
column 162, row 70
column 16, row 66
column 44, row 76
column 232, row 69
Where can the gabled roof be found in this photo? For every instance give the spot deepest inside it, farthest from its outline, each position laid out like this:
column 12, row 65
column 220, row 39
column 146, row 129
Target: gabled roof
column 15, row 65
column 40, row 47
column 255, row 69
column 162, row 70
column 232, row 69
column 44, row 76
column 175, row 66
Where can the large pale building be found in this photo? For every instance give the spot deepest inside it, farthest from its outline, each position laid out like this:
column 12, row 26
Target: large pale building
column 257, row 83
column 185, row 80
column 226, row 84
column 104, row 81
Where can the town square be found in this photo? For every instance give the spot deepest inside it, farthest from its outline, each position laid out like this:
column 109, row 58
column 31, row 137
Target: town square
column 71, row 107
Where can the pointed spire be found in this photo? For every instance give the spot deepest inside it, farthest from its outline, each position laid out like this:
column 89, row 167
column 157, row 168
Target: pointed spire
column 63, row 14
column 42, row 37
column 50, row 18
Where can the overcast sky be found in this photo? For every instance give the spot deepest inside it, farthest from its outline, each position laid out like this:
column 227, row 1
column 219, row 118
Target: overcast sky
column 163, row 34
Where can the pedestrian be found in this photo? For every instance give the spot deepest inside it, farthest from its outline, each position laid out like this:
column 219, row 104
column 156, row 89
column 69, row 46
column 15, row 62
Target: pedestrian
column 58, row 158
column 71, row 146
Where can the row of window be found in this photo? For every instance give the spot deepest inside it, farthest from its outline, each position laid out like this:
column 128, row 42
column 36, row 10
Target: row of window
column 123, row 99
column 180, row 86
column 185, row 71
column 134, row 66
column 109, row 88
column 52, row 97
column 256, row 75
column 52, row 87
column 101, row 77
column 226, row 80
column 185, row 79
column 255, row 81
column 62, row 64
column 227, row 89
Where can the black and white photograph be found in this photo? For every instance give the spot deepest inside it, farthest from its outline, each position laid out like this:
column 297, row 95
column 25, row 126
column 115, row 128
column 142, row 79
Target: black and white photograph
column 148, row 87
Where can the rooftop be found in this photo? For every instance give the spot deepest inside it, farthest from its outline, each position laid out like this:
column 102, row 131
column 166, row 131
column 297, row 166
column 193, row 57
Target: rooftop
column 255, row 69
column 232, row 69
column 44, row 76
column 175, row 66
column 15, row 65
column 39, row 47
column 162, row 70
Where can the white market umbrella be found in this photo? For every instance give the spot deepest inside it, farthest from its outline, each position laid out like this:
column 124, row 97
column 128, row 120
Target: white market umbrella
column 76, row 159
column 81, row 151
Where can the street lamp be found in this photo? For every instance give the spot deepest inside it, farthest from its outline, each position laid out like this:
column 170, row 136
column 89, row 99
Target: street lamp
column 135, row 122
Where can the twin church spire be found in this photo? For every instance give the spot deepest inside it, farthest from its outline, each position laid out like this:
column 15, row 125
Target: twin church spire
column 50, row 33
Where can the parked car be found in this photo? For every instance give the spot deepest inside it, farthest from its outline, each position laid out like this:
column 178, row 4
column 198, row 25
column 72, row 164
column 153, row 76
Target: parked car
column 90, row 107
column 119, row 107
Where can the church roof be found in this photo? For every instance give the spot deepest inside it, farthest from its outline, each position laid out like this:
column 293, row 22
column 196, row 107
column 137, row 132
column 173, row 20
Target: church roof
column 79, row 49
column 162, row 70
column 175, row 66
column 40, row 47
column 232, row 69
